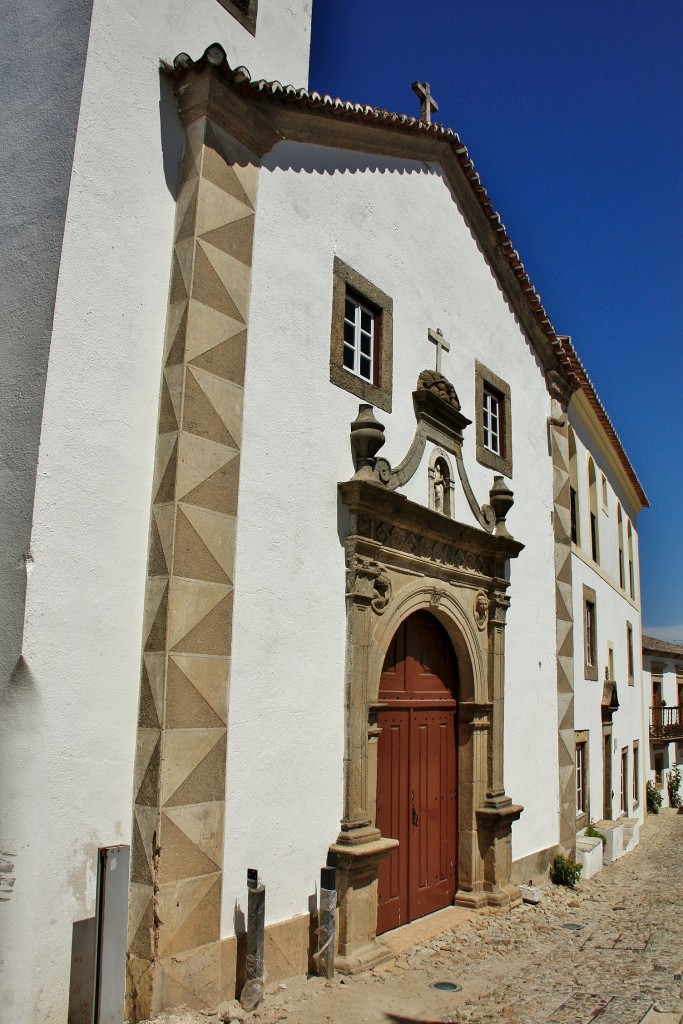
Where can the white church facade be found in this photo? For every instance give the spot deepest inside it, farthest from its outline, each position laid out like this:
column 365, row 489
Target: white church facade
column 300, row 557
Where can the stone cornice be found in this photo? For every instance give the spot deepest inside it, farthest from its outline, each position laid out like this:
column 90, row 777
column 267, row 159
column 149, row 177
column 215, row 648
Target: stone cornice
column 422, row 532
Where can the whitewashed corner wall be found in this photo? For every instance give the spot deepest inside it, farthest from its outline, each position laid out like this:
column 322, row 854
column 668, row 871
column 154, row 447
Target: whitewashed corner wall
column 69, row 788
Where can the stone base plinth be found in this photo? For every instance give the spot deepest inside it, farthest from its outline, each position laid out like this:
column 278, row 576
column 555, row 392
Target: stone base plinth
column 613, row 831
column 589, row 855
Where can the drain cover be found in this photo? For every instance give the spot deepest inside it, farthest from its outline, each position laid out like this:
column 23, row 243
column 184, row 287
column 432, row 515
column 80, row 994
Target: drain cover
column 573, row 927
column 446, row 986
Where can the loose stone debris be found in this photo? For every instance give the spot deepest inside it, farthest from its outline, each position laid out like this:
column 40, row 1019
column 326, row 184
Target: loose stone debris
column 623, row 964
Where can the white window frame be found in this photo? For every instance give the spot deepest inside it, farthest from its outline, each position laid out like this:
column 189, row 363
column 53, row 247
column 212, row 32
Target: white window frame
column 590, row 634
column 580, row 778
column 492, row 411
column 358, row 332
column 623, row 796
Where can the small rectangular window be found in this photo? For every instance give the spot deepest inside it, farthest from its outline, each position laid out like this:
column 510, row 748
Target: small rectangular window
column 361, row 337
column 629, row 652
column 573, row 514
column 494, row 420
column 594, row 537
column 624, row 780
column 590, row 634
column 581, row 804
column 636, row 773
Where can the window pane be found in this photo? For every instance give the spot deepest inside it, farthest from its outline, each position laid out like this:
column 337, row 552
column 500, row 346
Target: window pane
column 350, row 310
column 348, row 357
column 365, row 320
column 365, row 368
column 366, row 344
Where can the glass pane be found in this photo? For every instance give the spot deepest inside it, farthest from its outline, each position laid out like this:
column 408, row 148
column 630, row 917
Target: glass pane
column 349, row 334
column 348, row 358
column 350, row 309
column 366, row 344
column 365, row 320
column 365, row 368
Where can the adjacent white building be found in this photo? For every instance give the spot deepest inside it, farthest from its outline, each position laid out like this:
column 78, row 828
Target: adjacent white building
column 309, row 510
column 610, row 714
column 663, row 695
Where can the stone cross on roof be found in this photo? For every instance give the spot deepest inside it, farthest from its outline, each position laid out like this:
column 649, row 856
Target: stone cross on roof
column 427, row 102
column 437, row 338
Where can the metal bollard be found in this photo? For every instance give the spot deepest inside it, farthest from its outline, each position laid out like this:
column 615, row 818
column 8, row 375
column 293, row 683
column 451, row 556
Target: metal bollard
column 252, row 993
column 328, row 921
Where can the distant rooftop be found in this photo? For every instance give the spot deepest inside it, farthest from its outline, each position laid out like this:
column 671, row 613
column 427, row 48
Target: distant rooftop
column 662, row 647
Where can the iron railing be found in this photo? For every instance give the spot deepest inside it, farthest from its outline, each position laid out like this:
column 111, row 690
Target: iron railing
column 666, row 724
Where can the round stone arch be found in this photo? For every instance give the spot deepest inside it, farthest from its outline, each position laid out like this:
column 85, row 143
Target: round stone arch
column 452, row 611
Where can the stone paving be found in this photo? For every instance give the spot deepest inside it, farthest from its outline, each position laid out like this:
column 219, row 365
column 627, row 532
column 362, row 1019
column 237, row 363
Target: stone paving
column 621, row 963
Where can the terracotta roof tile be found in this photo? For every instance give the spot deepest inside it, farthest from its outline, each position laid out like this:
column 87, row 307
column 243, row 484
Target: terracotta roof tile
column 662, row 647
column 561, row 345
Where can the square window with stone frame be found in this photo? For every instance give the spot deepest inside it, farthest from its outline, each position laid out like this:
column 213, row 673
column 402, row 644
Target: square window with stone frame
column 361, row 337
column 494, row 420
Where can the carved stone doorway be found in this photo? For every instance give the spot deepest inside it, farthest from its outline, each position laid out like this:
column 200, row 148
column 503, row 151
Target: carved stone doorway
column 417, row 772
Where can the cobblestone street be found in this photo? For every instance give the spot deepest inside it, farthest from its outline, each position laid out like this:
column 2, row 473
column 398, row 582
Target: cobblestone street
column 610, row 951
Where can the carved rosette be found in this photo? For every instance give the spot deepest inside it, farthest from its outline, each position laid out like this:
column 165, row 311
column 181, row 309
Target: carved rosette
column 368, row 583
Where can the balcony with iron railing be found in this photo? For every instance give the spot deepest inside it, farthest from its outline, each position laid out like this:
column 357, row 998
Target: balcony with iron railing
column 666, row 723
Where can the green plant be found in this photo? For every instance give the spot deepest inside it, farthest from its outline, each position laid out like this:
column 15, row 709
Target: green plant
column 593, row 833
column 653, row 798
column 564, row 871
column 673, row 786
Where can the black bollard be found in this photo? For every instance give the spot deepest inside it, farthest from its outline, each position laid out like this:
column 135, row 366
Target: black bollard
column 327, row 923
column 252, row 993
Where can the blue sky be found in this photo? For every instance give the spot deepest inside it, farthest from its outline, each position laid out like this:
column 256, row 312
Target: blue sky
column 573, row 115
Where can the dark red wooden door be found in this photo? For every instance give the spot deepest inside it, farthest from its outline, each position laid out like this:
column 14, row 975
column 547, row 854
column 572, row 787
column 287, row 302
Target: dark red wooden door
column 416, row 772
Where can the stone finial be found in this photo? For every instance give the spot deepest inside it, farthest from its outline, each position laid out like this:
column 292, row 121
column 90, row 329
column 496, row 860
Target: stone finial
column 367, row 437
column 501, row 500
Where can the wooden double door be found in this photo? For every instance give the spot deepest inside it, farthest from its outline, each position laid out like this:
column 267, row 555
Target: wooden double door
column 417, row 772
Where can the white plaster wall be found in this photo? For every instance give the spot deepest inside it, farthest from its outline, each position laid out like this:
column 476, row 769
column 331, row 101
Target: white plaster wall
column 71, row 789
column 614, row 609
column 607, row 515
column 397, row 224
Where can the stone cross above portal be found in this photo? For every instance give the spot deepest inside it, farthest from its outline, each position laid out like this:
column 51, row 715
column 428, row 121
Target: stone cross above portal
column 437, row 338
column 427, row 102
